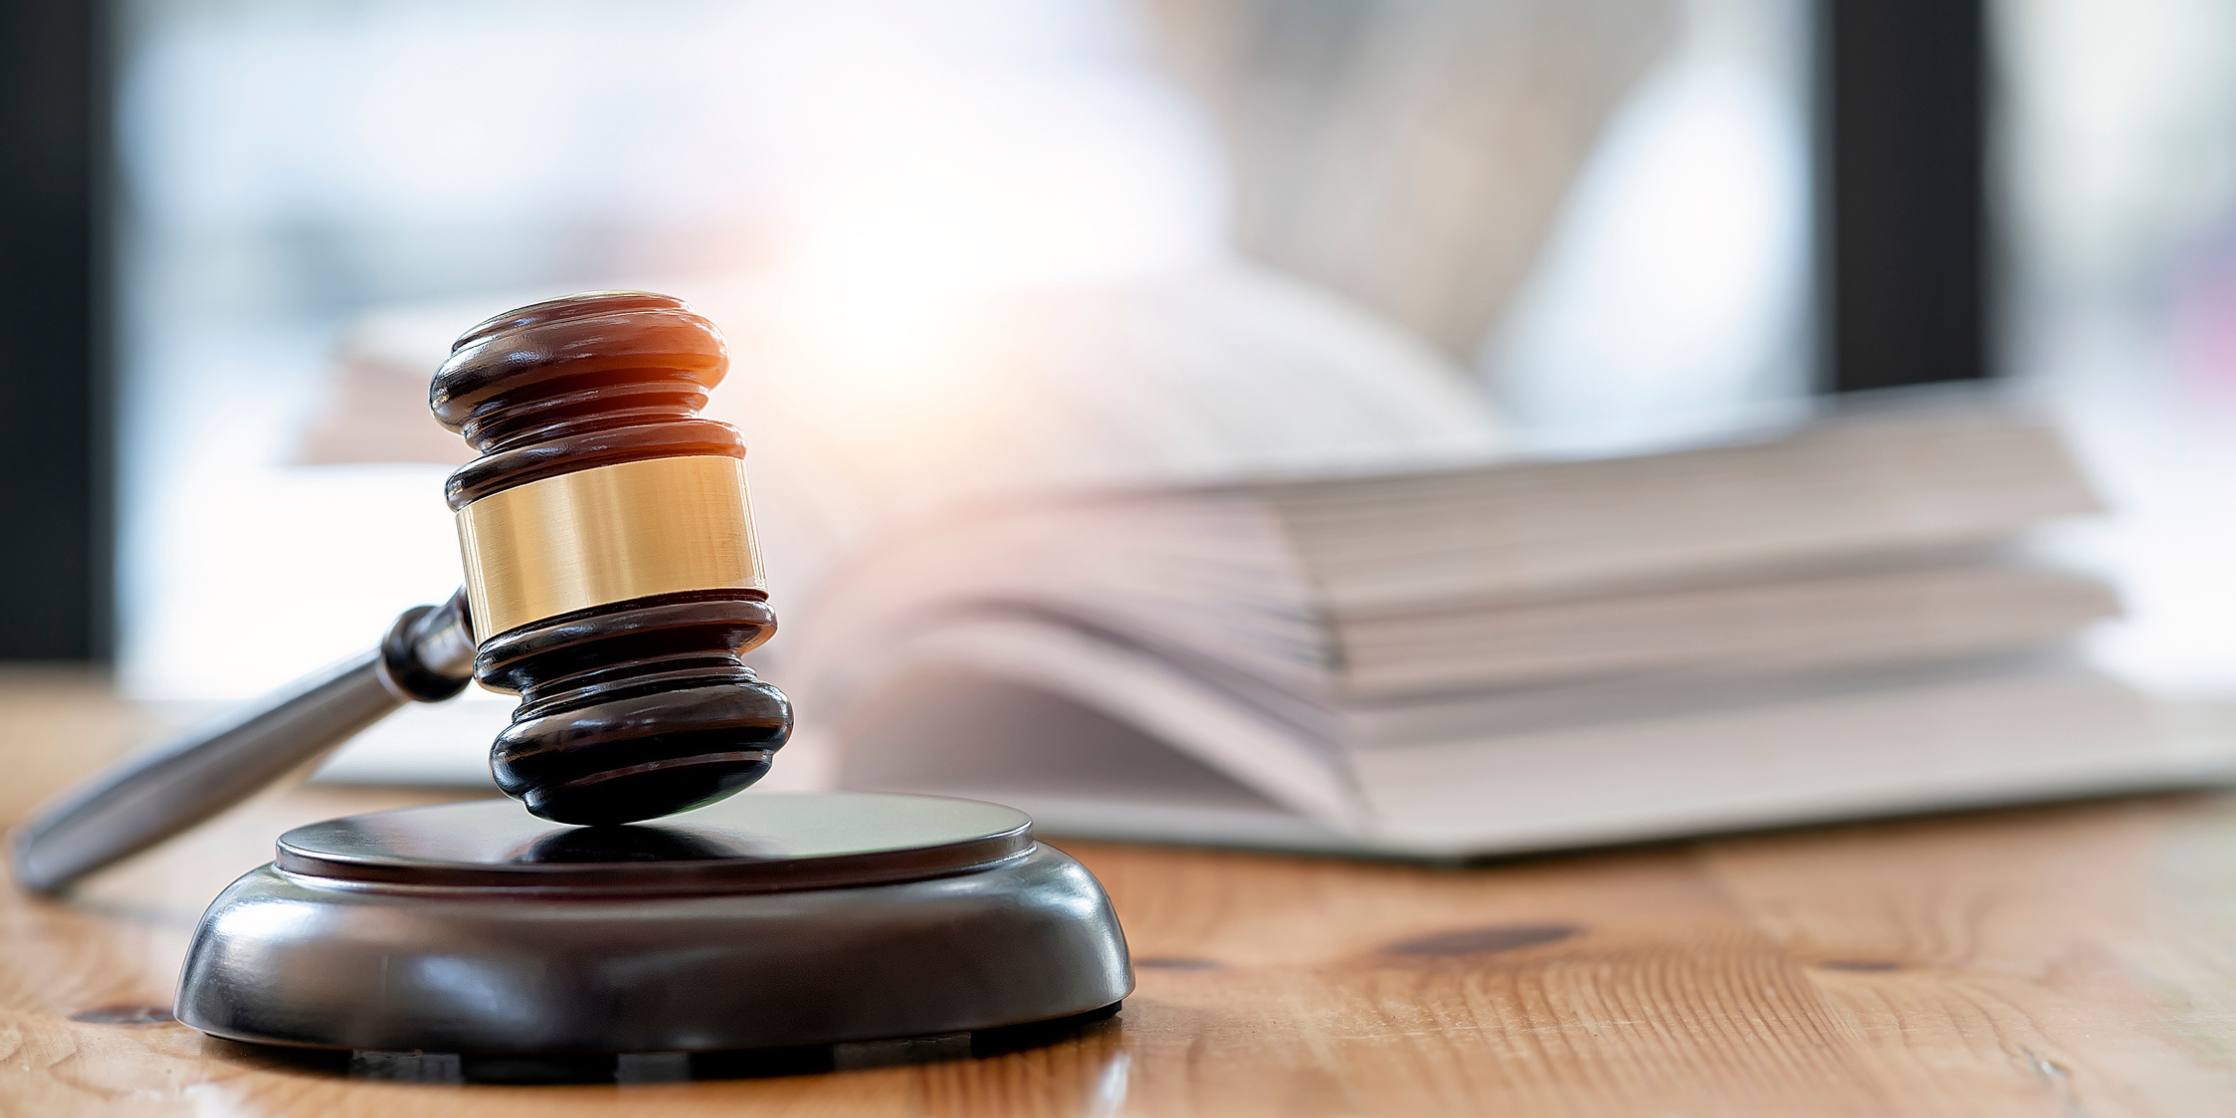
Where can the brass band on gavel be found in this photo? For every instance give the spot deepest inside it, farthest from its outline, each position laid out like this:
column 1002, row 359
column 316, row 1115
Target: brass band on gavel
column 607, row 534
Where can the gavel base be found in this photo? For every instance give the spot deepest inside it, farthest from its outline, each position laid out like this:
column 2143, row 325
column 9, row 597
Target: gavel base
column 763, row 921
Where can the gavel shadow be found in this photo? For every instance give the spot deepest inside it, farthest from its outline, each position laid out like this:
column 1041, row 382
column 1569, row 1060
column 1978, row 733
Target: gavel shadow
column 634, row 842
column 1097, row 1034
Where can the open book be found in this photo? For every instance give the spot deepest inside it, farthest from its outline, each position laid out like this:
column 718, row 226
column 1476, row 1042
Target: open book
column 1217, row 559
column 1838, row 621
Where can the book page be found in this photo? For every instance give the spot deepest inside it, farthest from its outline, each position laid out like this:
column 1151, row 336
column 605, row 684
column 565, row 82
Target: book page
column 1935, row 745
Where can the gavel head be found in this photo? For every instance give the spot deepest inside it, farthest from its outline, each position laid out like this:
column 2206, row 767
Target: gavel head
column 612, row 575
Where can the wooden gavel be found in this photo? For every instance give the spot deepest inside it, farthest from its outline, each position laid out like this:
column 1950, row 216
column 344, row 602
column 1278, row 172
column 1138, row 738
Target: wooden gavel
column 612, row 581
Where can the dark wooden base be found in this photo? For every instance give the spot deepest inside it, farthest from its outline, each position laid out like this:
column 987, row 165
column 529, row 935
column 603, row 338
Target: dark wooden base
column 763, row 922
column 667, row 1067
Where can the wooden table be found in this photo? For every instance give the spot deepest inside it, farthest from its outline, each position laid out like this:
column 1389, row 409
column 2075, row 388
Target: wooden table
column 2076, row 960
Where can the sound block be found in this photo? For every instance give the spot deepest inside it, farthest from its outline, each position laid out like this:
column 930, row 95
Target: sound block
column 762, row 921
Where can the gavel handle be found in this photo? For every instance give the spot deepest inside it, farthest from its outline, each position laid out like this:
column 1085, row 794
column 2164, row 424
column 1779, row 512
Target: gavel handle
column 427, row 656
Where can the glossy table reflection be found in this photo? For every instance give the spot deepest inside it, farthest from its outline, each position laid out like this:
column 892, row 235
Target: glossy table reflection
column 2054, row 961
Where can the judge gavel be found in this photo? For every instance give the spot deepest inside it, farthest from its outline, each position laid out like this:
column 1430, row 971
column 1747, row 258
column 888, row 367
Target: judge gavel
column 612, row 581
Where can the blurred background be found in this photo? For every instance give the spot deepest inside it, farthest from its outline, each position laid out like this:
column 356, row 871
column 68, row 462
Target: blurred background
column 1076, row 242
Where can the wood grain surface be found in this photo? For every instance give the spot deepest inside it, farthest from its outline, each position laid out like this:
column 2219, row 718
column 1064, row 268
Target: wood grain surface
column 2076, row 960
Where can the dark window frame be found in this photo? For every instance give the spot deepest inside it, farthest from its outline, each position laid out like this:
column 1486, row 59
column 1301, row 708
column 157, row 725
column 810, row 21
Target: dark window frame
column 1902, row 237
column 56, row 483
